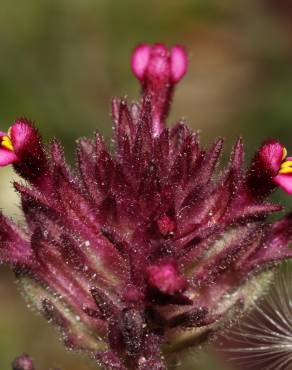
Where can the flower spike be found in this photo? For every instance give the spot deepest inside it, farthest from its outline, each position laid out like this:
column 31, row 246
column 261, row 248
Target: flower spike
column 143, row 250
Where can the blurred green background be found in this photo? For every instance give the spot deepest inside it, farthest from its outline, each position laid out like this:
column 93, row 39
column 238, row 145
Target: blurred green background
column 62, row 61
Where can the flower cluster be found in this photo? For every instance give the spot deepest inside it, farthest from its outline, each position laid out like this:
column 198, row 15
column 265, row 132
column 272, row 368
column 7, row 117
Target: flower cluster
column 145, row 249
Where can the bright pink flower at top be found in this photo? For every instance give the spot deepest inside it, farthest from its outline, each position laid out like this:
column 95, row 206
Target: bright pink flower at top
column 159, row 69
column 157, row 62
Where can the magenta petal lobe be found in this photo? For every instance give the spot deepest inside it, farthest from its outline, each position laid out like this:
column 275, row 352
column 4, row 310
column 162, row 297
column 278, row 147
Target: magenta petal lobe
column 285, row 182
column 179, row 63
column 7, row 157
column 140, row 59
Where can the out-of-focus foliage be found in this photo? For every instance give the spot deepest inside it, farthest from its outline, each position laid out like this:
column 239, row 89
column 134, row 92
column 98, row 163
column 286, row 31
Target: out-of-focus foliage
column 61, row 61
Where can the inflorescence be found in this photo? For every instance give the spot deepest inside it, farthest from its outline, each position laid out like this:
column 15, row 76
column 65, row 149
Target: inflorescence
column 146, row 249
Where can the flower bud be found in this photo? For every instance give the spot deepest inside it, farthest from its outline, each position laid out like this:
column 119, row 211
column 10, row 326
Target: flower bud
column 158, row 69
column 23, row 362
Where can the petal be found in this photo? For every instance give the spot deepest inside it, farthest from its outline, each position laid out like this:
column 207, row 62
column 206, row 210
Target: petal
column 7, row 157
column 159, row 64
column 284, row 180
column 140, row 59
column 178, row 63
column 21, row 132
column 269, row 157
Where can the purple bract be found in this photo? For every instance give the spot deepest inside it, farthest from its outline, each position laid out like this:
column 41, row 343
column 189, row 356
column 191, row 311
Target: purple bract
column 145, row 249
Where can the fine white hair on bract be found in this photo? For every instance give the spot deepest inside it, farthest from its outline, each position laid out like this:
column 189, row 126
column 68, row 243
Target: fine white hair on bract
column 263, row 339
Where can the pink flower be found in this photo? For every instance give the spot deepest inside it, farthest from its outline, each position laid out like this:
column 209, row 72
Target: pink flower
column 270, row 167
column 159, row 69
column 22, row 147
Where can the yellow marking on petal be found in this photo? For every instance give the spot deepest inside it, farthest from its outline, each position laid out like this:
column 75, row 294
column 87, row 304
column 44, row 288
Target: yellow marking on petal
column 6, row 143
column 286, row 170
column 286, row 164
column 286, row 167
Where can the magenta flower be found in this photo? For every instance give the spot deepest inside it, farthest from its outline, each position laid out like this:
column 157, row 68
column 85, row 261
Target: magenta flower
column 146, row 250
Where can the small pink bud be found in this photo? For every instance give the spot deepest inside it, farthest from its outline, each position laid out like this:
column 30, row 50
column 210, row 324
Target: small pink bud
column 165, row 277
column 166, row 225
column 23, row 362
column 158, row 62
column 159, row 69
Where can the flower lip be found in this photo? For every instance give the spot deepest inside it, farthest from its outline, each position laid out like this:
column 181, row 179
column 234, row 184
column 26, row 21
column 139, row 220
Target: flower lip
column 284, row 176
